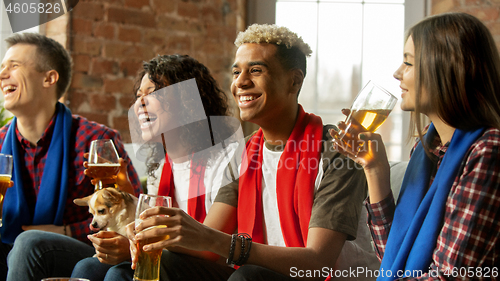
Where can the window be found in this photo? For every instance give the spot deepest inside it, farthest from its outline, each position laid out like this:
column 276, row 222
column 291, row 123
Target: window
column 353, row 42
column 6, row 31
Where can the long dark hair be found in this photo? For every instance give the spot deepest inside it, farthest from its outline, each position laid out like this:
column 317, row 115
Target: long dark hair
column 165, row 70
column 458, row 65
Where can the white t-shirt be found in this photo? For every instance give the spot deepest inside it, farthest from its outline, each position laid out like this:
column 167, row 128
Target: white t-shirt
column 181, row 172
column 269, row 196
column 354, row 254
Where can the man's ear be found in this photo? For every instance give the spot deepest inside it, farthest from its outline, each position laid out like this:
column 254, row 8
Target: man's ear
column 51, row 78
column 297, row 80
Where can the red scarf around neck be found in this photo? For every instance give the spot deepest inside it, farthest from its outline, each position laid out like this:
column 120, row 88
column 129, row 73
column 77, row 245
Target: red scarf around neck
column 196, row 193
column 295, row 182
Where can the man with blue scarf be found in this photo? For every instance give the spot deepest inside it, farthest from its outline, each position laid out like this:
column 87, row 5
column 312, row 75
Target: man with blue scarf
column 44, row 234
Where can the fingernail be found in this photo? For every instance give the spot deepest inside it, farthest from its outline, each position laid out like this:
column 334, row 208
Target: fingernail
column 146, row 248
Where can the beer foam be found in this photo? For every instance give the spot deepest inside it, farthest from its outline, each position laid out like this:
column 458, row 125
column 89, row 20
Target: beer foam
column 4, row 177
column 103, row 165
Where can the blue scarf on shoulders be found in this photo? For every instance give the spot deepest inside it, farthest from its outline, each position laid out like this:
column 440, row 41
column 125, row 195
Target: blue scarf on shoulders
column 419, row 214
column 51, row 200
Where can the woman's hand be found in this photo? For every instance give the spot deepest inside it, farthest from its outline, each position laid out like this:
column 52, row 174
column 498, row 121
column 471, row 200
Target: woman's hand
column 368, row 150
column 364, row 147
column 122, row 180
column 110, row 247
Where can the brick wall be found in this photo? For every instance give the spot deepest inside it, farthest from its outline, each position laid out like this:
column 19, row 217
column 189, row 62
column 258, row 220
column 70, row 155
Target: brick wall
column 488, row 11
column 108, row 40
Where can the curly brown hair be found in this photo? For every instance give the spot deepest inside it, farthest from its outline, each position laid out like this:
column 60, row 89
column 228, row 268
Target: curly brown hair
column 166, row 70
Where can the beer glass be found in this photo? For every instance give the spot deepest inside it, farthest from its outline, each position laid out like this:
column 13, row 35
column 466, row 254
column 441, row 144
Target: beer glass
column 148, row 263
column 370, row 109
column 5, row 175
column 103, row 164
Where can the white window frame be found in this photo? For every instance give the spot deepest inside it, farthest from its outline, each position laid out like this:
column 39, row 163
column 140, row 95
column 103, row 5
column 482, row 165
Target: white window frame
column 264, row 11
column 6, row 31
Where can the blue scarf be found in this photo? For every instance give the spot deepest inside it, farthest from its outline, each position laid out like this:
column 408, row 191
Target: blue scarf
column 51, row 201
column 418, row 218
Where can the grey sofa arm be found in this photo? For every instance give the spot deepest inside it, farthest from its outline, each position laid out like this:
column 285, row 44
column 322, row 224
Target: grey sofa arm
column 398, row 170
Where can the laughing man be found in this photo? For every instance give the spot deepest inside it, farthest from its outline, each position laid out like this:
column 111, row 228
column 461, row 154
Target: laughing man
column 44, row 233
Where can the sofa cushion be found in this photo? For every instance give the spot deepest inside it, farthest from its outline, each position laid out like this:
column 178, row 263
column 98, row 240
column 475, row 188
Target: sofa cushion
column 398, row 170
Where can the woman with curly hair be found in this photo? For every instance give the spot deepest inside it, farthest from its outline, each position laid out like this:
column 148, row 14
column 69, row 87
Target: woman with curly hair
column 181, row 118
column 177, row 115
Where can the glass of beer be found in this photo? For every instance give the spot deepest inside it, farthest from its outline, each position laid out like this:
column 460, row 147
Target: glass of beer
column 5, row 175
column 148, row 263
column 370, row 109
column 103, row 164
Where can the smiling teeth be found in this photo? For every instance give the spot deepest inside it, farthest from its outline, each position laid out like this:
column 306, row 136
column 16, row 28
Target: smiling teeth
column 146, row 124
column 247, row 98
column 144, row 118
column 7, row 88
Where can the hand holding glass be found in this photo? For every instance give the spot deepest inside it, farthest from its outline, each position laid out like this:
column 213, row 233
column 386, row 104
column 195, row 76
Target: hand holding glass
column 370, row 109
column 5, row 176
column 148, row 263
column 103, row 164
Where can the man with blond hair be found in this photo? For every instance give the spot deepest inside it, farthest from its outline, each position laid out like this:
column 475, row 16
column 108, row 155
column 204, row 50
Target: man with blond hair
column 292, row 201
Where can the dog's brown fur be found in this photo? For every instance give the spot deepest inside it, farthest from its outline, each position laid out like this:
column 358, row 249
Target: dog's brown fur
column 112, row 209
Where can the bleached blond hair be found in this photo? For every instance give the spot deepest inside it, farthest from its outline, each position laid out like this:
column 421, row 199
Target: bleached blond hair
column 272, row 34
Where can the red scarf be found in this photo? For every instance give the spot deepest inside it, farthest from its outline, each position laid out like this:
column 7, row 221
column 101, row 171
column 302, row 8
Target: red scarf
column 196, row 193
column 295, row 185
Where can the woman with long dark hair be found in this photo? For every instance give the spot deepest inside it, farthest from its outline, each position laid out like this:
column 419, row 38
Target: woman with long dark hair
column 446, row 222
column 180, row 117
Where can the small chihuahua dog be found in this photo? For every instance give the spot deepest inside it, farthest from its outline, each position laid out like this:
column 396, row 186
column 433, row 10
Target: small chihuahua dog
column 112, row 209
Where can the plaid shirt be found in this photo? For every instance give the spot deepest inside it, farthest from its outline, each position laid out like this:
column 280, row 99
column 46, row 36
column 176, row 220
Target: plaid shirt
column 468, row 245
column 83, row 132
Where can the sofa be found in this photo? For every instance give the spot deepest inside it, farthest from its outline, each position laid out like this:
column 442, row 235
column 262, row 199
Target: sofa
column 397, row 174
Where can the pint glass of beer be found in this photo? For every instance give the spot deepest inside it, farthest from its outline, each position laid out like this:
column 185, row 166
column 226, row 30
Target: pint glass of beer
column 370, row 109
column 5, row 175
column 103, row 164
column 148, row 264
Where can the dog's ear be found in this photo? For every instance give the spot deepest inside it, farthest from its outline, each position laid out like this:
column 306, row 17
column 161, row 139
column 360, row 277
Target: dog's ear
column 111, row 194
column 82, row 201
